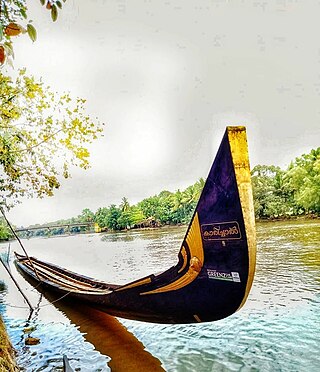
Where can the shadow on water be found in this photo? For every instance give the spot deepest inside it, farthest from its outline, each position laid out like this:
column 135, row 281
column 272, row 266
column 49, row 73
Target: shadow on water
column 107, row 335
column 110, row 338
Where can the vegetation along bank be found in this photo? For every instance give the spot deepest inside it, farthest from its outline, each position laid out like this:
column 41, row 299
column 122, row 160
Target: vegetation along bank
column 277, row 193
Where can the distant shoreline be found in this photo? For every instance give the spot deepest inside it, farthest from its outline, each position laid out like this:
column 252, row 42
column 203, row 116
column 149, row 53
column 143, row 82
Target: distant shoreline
column 260, row 220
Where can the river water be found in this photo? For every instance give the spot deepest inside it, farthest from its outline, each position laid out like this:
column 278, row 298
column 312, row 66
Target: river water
column 277, row 330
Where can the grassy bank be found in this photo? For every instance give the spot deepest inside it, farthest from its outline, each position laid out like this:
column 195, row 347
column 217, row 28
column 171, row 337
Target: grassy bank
column 7, row 358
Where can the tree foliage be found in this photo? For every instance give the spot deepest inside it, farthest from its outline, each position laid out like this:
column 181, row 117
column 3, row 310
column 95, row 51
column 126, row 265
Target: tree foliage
column 86, row 216
column 42, row 134
column 293, row 192
column 303, row 181
column 166, row 208
column 5, row 233
column 271, row 198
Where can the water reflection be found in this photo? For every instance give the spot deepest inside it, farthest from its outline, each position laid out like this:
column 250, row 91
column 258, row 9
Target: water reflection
column 109, row 337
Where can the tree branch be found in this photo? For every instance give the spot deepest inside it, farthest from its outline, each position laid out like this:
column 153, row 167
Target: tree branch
column 37, row 144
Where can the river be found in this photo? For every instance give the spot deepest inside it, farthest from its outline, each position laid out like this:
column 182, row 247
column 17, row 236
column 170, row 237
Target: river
column 277, row 330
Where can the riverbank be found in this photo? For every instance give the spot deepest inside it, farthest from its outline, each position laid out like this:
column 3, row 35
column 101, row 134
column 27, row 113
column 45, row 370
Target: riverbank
column 7, row 353
column 306, row 217
column 303, row 217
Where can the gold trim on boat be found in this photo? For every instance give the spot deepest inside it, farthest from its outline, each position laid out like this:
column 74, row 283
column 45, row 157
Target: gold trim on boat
column 136, row 284
column 185, row 259
column 194, row 242
column 239, row 151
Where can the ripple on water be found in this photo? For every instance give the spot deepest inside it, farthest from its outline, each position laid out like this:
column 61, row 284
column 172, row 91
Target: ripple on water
column 56, row 340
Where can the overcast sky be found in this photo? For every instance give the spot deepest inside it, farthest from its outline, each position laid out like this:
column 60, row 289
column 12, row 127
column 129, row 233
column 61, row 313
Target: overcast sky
column 167, row 77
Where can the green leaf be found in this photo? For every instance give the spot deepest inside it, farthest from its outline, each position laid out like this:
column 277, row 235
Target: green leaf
column 9, row 49
column 54, row 13
column 42, row 2
column 1, row 31
column 59, row 4
column 23, row 13
column 32, row 32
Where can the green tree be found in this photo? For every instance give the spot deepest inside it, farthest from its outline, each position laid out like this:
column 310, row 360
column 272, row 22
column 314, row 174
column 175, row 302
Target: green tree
column 42, row 134
column 122, row 217
column 101, row 217
column 164, row 210
column 149, row 206
column 136, row 216
column 303, row 180
column 86, row 216
column 190, row 195
column 112, row 217
column 124, row 206
column 178, row 199
column 271, row 196
column 184, row 203
column 124, row 220
column 5, row 233
column 199, row 185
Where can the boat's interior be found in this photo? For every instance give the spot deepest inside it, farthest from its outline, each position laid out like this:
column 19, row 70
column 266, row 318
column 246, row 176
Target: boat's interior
column 64, row 279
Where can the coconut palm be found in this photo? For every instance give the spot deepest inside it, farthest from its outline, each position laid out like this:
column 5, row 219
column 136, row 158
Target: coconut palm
column 124, row 206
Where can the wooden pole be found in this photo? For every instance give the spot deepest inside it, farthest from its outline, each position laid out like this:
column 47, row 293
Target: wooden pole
column 21, row 245
column 16, row 283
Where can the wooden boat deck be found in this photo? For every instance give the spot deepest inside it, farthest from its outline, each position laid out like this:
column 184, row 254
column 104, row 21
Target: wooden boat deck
column 66, row 281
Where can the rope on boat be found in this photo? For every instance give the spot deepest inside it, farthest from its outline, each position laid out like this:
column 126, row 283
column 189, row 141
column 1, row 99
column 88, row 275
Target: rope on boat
column 41, row 306
column 58, row 299
column 34, row 288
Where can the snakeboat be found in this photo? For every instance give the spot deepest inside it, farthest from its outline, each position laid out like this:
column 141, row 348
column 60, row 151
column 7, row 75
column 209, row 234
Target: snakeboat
column 216, row 261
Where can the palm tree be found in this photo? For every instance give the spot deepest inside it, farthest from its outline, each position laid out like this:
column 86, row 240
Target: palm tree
column 178, row 197
column 199, row 185
column 189, row 195
column 124, row 206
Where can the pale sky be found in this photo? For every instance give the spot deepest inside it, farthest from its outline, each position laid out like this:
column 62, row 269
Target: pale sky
column 167, row 77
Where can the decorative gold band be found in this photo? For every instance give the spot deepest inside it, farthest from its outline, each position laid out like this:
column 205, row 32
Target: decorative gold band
column 239, row 151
